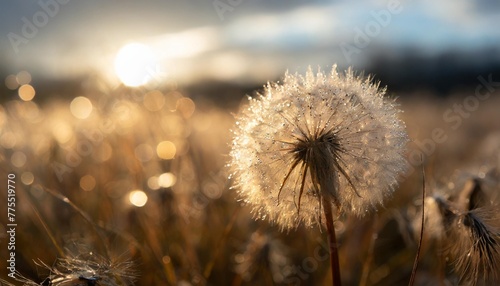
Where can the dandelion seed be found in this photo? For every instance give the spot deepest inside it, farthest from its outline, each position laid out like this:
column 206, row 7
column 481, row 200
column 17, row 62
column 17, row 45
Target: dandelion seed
column 314, row 140
column 475, row 246
column 470, row 233
column 87, row 269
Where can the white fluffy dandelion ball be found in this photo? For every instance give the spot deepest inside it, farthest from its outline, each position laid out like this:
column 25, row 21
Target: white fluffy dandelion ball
column 323, row 136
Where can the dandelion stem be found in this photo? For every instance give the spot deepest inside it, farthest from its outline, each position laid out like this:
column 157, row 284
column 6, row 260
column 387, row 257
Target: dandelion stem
column 415, row 264
column 86, row 216
column 332, row 240
column 49, row 232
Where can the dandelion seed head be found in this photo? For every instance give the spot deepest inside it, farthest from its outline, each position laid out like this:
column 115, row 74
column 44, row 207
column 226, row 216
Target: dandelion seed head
column 334, row 128
column 84, row 267
column 467, row 225
column 474, row 244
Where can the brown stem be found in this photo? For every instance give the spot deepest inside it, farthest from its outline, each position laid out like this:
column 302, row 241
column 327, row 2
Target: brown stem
column 332, row 240
column 415, row 264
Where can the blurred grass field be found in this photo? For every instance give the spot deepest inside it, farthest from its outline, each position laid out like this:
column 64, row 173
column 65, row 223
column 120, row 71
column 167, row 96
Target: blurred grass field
column 141, row 176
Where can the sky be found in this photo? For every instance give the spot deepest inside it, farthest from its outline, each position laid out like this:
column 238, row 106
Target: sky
column 235, row 40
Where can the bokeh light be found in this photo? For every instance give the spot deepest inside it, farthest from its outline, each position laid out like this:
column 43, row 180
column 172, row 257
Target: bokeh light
column 27, row 178
column 138, row 198
column 134, row 64
column 166, row 180
column 185, row 106
column 172, row 98
column 18, row 159
column 23, row 77
column 87, row 183
column 81, row 107
column 26, row 92
column 153, row 183
column 11, row 82
column 154, row 100
column 62, row 131
column 166, row 150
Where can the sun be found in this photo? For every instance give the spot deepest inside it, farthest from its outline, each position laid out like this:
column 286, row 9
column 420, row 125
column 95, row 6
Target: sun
column 134, row 64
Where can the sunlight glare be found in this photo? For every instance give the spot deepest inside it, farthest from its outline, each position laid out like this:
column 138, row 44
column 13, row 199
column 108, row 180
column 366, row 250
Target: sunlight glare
column 134, row 64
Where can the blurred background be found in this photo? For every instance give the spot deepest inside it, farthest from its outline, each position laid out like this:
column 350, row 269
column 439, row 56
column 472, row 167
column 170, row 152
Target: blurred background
column 408, row 44
column 124, row 109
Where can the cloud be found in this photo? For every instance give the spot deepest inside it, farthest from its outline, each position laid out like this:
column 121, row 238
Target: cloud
column 257, row 34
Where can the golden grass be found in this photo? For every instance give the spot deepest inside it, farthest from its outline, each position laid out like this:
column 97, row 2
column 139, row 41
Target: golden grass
column 74, row 178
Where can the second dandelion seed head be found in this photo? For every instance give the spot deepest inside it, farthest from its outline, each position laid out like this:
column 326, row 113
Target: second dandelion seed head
column 317, row 136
